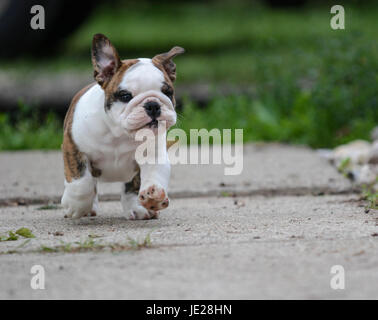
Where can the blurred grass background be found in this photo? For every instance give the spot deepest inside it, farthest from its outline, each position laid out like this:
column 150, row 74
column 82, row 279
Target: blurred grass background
column 311, row 84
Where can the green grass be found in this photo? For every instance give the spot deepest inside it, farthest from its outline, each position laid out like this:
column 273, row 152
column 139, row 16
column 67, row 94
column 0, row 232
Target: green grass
column 370, row 196
column 95, row 246
column 301, row 122
column 14, row 235
column 30, row 130
column 311, row 84
column 50, row 206
column 223, row 41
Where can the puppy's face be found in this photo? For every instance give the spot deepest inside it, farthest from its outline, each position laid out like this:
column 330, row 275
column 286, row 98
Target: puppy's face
column 139, row 93
column 144, row 97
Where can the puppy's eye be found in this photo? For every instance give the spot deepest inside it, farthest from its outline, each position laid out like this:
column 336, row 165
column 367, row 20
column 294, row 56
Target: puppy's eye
column 125, row 96
column 168, row 92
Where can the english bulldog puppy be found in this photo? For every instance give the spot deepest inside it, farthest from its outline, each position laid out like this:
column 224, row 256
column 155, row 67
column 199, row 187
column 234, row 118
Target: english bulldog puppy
column 100, row 127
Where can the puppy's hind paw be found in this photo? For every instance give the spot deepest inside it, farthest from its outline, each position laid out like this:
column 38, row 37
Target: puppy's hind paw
column 141, row 213
column 76, row 214
column 77, row 211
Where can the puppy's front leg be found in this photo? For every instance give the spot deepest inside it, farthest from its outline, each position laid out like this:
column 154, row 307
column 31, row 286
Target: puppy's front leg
column 155, row 176
column 153, row 193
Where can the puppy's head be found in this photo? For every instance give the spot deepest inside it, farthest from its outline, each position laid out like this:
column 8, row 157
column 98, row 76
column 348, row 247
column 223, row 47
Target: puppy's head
column 139, row 93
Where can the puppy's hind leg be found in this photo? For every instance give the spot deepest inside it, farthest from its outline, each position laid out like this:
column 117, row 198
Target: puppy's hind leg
column 79, row 185
column 130, row 203
column 79, row 196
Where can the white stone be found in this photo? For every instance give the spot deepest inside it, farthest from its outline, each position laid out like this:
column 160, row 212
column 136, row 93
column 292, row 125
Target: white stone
column 366, row 174
column 374, row 134
column 373, row 156
column 357, row 151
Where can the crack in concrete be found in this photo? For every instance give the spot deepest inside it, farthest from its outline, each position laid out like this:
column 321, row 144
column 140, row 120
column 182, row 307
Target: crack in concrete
column 298, row 191
column 118, row 247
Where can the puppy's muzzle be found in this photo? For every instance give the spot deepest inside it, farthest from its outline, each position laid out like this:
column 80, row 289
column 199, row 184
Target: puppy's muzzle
column 152, row 109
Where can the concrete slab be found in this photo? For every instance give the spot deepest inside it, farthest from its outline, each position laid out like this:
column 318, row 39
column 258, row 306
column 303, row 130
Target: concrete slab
column 267, row 169
column 289, row 270
column 213, row 248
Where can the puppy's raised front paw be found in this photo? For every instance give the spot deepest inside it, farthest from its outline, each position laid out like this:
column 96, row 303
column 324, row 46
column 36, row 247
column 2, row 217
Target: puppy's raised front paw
column 153, row 198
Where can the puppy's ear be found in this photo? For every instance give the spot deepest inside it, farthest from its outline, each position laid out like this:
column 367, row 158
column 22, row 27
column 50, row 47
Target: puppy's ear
column 105, row 59
column 165, row 60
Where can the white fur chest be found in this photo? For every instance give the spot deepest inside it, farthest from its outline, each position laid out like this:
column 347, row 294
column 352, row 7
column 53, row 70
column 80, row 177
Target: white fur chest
column 115, row 165
column 102, row 139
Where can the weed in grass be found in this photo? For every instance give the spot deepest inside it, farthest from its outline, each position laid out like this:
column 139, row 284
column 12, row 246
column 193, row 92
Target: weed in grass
column 226, row 194
column 10, row 237
column 371, row 196
column 138, row 245
column 48, row 249
column 91, row 245
column 86, row 244
column 49, row 207
column 25, row 232
column 344, row 166
column 93, row 236
column 67, row 247
column 14, row 235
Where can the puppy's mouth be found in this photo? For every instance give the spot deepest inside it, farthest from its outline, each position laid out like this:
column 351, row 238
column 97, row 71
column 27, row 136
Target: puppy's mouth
column 153, row 123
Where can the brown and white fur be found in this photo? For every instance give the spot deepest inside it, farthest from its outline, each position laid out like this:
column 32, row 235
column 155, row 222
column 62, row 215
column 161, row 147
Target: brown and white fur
column 100, row 127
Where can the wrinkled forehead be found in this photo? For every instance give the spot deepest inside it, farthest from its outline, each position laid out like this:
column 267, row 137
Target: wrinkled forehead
column 142, row 76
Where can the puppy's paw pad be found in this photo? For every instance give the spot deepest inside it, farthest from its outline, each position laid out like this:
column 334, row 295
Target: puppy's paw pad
column 152, row 192
column 153, row 198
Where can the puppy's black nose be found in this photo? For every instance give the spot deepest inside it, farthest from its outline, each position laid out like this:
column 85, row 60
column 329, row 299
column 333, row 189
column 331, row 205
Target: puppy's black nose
column 152, row 109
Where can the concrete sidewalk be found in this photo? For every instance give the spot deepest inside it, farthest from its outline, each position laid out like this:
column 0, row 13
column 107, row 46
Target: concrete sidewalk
column 273, row 232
